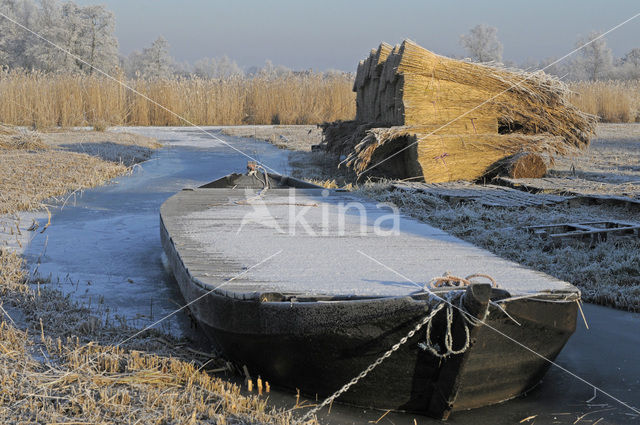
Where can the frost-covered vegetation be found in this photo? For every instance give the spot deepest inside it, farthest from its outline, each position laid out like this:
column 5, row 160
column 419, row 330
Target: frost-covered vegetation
column 607, row 273
column 84, row 31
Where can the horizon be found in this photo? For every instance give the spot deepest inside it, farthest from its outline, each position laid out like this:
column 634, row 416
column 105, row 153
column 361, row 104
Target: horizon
column 252, row 32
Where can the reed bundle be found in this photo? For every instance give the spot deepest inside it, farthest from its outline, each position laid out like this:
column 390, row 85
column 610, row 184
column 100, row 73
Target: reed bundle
column 473, row 114
column 436, row 158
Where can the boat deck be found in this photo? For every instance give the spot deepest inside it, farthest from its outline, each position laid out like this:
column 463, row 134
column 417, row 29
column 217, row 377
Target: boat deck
column 322, row 242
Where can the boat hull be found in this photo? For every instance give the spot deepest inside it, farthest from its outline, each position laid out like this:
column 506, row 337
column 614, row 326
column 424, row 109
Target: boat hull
column 317, row 346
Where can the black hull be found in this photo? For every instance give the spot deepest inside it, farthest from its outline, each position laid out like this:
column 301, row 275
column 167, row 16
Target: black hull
column 319, row 346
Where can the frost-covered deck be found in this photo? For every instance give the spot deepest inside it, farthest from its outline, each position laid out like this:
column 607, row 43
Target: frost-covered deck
column 327, row 243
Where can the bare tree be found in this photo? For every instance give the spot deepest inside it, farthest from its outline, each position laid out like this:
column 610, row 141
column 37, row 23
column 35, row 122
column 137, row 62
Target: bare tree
column 482, row 44
column 595, row 61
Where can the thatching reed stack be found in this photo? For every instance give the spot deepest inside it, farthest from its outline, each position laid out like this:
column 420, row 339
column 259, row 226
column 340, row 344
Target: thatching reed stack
column 463, row 117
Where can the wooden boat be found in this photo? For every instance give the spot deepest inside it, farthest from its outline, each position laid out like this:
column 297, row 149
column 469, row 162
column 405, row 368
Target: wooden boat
column 310, row 309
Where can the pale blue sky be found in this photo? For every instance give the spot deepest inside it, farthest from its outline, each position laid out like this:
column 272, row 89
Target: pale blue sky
column 336, row 34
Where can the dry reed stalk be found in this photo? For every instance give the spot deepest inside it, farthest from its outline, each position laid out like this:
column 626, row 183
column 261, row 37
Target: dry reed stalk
column 12, row 272
column 454, row 118
column 520, row 165
column 20, row 139
column 89, row 383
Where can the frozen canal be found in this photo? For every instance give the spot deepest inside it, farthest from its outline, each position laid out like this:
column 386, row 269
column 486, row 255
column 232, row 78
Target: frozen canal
column 104, row 249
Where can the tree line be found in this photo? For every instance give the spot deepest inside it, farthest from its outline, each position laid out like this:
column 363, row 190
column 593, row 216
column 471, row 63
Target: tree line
column 594, row 61
column 88, row 34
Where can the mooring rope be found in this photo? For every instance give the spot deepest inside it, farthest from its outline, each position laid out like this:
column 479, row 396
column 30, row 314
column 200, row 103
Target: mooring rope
column 253, row 171
column 432, row 348
column 456, row 281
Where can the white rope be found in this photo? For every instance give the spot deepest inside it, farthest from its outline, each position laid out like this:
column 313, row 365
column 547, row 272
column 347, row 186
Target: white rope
column 448, row 336
column 265, row 184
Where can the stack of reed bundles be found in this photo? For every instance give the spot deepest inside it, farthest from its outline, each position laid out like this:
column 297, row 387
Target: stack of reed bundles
column 467, row 120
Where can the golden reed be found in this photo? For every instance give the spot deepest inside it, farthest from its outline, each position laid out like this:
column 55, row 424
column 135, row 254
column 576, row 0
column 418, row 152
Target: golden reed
column 612, row 101
column 44, row 100
column 41, row 100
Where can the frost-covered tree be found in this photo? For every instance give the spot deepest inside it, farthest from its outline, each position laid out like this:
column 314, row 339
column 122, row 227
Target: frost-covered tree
column 155, row 61
column 270, row 70
column 132, row 64
column 14, row 41
column 594, row 60
column 53, row 26
column 628, row 66
column 217, row 68
column 97, row 41
column 632, row 57
column 482, row 44
column 86, row 32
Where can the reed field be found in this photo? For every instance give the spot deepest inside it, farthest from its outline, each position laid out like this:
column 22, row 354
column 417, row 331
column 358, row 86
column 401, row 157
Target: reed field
column 42, row 100
column 612, row 101
column 56, row 100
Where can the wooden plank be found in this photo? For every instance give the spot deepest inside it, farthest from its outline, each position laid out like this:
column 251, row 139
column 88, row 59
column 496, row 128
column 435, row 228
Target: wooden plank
column 487, row 195
column 585, row 229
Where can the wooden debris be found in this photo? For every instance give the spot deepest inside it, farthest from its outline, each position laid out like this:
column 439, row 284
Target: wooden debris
column 594, row 231
column 488, row 195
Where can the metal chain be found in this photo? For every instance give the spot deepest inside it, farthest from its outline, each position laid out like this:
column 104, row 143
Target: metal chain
column 373, row 365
